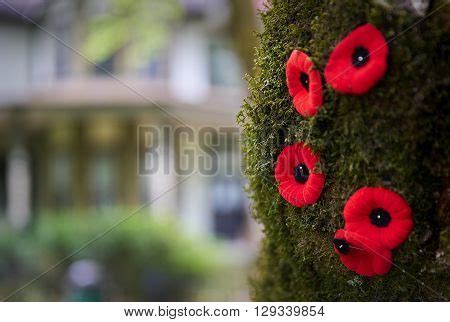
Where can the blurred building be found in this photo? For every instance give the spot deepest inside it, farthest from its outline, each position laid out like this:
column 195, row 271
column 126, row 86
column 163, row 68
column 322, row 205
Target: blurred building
column 69, row 128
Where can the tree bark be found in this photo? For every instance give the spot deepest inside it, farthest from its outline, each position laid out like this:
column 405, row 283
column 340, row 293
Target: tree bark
column 395, row 136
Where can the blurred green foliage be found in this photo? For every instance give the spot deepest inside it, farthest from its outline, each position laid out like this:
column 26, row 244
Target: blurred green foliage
column 140, row 25
column 141, row 259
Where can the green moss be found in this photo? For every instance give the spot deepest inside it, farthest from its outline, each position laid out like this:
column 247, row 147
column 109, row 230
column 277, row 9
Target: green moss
column 395, row 136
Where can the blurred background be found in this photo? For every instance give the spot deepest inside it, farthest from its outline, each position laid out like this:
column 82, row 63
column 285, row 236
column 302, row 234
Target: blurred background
column 77, row 79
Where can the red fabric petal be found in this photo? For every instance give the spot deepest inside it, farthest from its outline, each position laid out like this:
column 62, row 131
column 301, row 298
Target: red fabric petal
column 340, row 72
column 360, row 202
column 296, row 193
column 397, row 234
column 313, row 188
column 292, row 193
column 306, row 102
column 293, row 68
column 359, row 206
column 308, row 157
column 364, row 257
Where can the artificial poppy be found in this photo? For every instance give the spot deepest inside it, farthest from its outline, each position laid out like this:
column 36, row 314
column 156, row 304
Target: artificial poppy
column 379, row 214
column 361, row 254
column 358, row 62
column 299, row 183
column 304, row 84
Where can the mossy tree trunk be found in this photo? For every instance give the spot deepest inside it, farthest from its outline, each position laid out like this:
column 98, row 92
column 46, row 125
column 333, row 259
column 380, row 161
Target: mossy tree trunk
column 395, row 136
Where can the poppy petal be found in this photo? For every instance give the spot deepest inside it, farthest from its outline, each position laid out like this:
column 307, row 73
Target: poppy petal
column 297, row 182
column 379, row 214
column 304, row 84
column 362, row 255
column 358, row 62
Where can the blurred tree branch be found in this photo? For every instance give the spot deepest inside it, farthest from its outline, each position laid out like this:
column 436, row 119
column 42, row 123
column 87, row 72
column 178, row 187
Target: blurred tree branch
column 140, row 25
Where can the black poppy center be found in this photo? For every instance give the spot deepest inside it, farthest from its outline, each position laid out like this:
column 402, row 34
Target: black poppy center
column 341, row 245
column 304, row 80
column 301, row 173
column 360, row 57
column 380, row 217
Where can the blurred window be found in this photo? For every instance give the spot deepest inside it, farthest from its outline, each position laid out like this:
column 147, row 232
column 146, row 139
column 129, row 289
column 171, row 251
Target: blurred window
column 2, row 185
column 225, row 64
column 197, row 9
column 106, row 66
column 228, row 208
column 61, row 180
column 144, row 182
column 104, row 179
column 155, row 67
column 63, row 55
column 194, row 8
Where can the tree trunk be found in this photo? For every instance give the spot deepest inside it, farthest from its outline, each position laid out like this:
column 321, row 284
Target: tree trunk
column 395, row 136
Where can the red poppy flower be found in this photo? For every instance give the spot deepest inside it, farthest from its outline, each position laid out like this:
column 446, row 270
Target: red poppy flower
column 304, row 84
column 379, row 214
column 294, row 172
column 358, row 62
column 362, row 255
